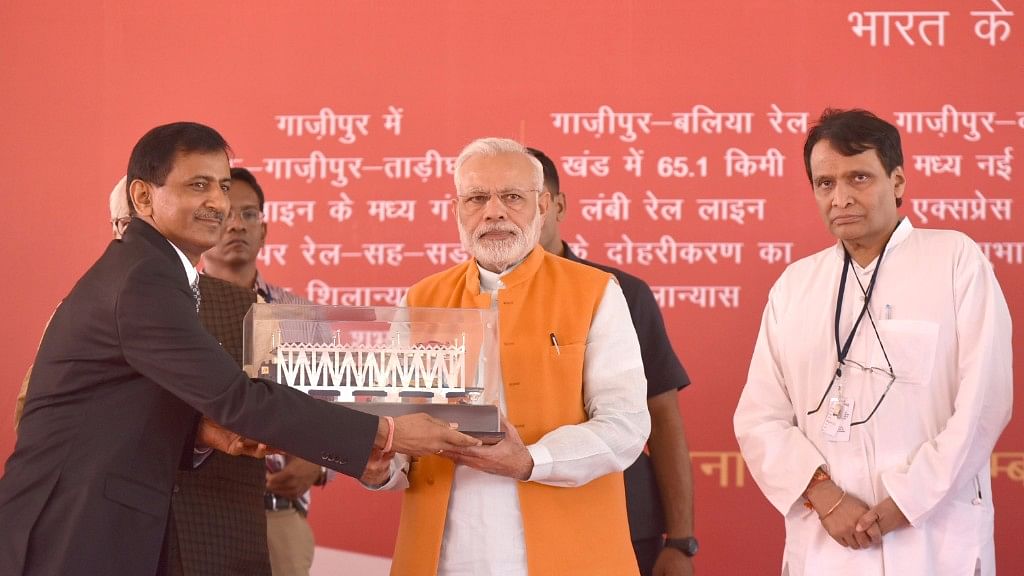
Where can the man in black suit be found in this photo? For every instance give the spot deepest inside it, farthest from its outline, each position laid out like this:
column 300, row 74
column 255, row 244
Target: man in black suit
column 219, row 527
column 125, row 370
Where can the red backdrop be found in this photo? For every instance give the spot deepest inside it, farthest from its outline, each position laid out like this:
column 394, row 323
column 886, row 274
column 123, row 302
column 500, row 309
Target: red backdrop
column 725, row 85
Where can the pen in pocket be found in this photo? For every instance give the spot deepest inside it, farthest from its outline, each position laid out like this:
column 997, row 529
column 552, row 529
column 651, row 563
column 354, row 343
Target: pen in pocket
column 554, row 342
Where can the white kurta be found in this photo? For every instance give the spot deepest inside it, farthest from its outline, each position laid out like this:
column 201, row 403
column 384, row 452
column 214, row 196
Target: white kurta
column 945, row 327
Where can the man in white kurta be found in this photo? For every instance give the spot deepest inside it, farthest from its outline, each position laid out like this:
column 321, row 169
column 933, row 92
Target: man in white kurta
column 937, row 316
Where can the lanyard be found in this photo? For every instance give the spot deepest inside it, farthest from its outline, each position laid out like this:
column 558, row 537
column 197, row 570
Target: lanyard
column 843, row 349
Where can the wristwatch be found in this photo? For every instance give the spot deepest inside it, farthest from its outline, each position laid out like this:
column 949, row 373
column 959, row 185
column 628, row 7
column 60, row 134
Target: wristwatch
column 686, row 545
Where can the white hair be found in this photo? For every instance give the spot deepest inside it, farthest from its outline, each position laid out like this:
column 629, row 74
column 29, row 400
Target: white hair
column 494, row 147
column 119, row 205
column 119, row 199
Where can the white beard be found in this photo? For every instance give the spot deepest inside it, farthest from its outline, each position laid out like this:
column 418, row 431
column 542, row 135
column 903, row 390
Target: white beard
column 498, row 255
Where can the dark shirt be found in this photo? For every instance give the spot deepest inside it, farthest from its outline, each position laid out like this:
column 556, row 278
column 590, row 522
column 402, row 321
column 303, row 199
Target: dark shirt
column 664, row 372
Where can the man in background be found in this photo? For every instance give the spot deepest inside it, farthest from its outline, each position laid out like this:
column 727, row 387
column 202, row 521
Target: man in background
column 217, row 519
column 288, row 479
column 659, row 487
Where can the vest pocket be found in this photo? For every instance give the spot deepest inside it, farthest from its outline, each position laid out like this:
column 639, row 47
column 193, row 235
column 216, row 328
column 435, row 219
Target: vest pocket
column 566, row 363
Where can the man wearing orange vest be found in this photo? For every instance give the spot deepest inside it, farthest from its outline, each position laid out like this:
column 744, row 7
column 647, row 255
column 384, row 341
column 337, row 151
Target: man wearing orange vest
column 549, row 498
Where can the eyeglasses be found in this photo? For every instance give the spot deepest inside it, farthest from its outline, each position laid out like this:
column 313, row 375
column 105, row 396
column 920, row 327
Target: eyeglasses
column 874, row 370
column 248, row 215
column 514, row 200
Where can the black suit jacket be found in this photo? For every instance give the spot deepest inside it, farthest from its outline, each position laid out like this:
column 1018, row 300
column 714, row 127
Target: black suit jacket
column 121, row 375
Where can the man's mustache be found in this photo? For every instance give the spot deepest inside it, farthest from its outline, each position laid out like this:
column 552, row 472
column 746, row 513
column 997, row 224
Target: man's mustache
column 488, row 228
column 210, row 215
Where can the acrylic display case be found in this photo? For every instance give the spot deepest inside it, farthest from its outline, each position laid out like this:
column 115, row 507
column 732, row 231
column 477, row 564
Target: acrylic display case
column 387, row 361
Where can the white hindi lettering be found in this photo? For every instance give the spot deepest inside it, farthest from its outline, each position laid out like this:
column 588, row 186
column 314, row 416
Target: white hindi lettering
column 947, row 120
column 962, row 209
column 319, row 292
column 772, row 252
column 795, row 122
column 701, row 296
column 272, row 254
column 325, row 123
column 668, row 251
column 445, row 253
column 393, row 120
column 327, row 254
column 285, row 211
column 703, row 120
column 997, row 165
column 739, row 162
column 392, row 209
column 441, row 208
column 1009, row 252
column 605, row 121
column 432, row 165
column 634, row 162
column 991, row 25
column 600, row 208
column 316, row 167
column 734, row 209
column 663, row 209
column 384, row 253
column 585, row 165
column 868, row 23
column 929, row 164
column 579, row 246
column 340, row 210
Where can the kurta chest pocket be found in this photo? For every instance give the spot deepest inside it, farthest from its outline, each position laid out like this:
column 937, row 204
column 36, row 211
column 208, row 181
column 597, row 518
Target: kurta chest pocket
column 910, row 345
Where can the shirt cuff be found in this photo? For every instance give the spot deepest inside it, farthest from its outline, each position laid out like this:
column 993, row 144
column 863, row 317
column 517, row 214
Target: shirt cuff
column 399, row 479
column 199, row 455
column 542, row 462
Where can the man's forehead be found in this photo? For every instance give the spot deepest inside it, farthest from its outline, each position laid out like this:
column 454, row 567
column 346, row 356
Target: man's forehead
column 513, row 171
column 825, row 157
column 242, row 193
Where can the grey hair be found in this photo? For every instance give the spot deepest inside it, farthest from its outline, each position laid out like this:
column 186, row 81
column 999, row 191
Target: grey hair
column 494, row 147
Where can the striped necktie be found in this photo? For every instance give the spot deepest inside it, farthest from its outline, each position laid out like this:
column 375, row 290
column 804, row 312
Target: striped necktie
column 195, row 294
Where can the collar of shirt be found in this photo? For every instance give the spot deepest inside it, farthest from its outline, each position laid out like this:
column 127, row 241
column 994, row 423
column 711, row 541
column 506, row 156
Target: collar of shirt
column 491, row 281
column 190, row 270
column 260, row 286
column 903, row 230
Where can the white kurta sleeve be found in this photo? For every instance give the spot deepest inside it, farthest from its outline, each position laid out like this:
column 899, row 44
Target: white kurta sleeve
column 615, row 399
column 778, row 454
column 983, row 393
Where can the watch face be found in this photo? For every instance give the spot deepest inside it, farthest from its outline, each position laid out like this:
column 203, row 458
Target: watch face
column 687, row 546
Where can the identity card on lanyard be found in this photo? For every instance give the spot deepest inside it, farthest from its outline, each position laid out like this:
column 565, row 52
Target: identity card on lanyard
column 839, row 415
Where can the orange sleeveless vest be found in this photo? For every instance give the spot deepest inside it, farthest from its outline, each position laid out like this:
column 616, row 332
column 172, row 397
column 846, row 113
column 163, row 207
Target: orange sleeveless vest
column 581, row 530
